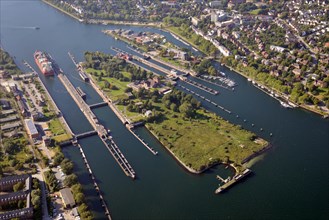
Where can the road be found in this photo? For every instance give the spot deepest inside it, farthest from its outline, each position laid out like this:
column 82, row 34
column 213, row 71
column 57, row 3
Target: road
column 39, row 176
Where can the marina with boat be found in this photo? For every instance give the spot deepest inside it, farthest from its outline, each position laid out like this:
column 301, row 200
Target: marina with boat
column 284, row 101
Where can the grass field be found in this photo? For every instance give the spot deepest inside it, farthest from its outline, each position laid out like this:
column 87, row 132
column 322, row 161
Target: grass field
column 222, row 141
column 132, row 116
column 56, row 127
column 189, row 39
column 114, row 95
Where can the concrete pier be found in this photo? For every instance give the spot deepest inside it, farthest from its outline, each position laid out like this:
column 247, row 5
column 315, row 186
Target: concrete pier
column 237, row 177
column 154, row 152
column 202, row 87
column 73, row 59
column 202, row 97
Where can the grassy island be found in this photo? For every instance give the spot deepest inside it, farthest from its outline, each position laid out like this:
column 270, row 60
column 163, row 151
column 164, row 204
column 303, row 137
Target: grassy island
column 222, row 142
column 196, row 137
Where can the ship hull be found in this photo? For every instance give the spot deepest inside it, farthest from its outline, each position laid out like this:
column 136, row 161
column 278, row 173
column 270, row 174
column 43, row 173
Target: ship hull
column 41, row 59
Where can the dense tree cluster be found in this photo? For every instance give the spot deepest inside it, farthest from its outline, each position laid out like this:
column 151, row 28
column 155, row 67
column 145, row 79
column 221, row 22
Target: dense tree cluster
column 70, row 180
column 123, row 10
column 7, row 63
column 13, row 145
column 112, row 66
column 51, row 181
column 36, row 199
column 205, row 67
column 179, row 101
column 67, row 166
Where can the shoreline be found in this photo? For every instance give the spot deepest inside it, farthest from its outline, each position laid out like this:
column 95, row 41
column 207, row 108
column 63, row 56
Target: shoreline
column 105, row 22
column 191, row 170
column 301, row 105
column 167, row 28
column 128, row 23
column 62, row 10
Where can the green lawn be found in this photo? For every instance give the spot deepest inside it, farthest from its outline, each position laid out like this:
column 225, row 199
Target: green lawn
column 56, row 127
column 114, row 95
column 62, row 137
column 190, row 38
column 132, row 116
column 58, row 131
column 172, row 61
column 222, row 141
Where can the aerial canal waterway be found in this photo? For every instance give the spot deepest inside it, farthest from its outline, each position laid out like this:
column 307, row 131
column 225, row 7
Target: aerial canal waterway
column 290, row 180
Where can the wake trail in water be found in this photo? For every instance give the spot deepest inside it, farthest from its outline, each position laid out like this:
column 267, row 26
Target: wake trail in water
column 22, row 27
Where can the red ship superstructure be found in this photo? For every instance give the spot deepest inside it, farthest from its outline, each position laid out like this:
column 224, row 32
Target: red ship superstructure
column 44, row 63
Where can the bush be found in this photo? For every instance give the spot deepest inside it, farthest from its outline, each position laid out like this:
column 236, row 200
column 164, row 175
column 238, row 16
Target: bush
column 67, row 166
column 70, row 180
column 18, row 186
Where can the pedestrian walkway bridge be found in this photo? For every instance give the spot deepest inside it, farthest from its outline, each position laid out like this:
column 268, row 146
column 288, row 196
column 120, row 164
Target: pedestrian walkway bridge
column 96, row 105
column 86, row 134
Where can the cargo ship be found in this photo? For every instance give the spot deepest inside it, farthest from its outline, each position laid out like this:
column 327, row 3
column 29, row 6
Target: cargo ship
column 44, row 63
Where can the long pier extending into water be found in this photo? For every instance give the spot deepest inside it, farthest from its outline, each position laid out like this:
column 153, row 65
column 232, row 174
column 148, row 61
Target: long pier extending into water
column 202, row 97
column 30, row 67
column 101, row 131
column 154, row 152
column 202, row 87
column 73, row 59
column 101, row 198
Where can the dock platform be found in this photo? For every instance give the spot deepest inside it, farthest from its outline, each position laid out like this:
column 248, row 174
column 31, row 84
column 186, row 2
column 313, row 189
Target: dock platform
column 234, row 180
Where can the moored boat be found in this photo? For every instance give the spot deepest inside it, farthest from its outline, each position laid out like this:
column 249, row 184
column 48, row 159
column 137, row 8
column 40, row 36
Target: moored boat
column 44, row 63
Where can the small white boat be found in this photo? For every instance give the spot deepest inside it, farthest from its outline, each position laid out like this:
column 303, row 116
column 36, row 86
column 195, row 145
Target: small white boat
column 286, row 105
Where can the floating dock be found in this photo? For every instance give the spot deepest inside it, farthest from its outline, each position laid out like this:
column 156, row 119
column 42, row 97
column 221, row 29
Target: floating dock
column 202, row 87
column 202, row 97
